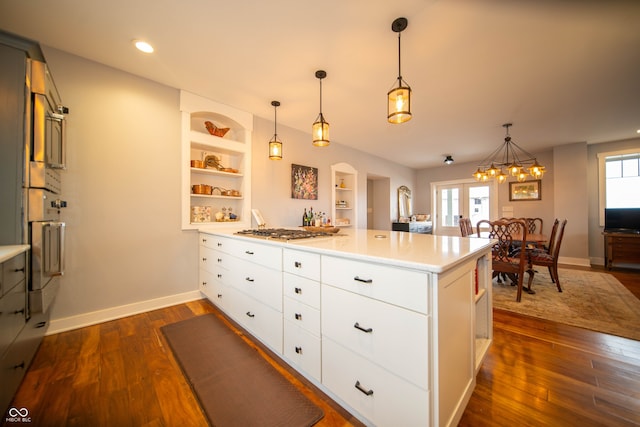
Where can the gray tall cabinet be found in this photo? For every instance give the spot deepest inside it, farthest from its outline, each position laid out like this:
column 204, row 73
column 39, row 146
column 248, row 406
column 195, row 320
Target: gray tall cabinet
column 20, row 331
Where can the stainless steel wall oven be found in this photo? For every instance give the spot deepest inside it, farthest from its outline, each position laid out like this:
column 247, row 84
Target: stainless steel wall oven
column 46, row 158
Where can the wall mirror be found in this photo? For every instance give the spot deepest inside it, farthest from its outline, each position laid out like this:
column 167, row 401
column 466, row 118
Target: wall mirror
column 404, row 203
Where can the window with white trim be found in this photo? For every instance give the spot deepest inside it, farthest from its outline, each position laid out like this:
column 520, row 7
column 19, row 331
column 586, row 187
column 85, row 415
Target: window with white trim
column 619, row 180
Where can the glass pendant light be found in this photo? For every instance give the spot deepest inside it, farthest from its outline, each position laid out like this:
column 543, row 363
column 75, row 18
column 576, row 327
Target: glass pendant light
column 399, row 98
column 320, row 128
column 275, row 145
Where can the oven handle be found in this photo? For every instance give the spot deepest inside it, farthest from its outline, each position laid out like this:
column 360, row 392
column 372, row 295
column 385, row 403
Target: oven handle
column 63, row 140
column 61, row 246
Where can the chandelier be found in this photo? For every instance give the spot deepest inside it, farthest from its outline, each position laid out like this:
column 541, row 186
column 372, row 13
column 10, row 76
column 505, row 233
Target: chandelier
column 509, row 159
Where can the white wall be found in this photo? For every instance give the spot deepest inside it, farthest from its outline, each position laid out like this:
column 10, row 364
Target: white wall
column 124, row 242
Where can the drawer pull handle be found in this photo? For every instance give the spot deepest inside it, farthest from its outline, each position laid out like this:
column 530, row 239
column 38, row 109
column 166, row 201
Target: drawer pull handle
column 19, row 269
column 297, row 264
column 204, row 240
column 204, row 283
column 363, row 280
column 248, row 252
column 219, row 244
column 250, row 314
column 362, row 389
column 219, row 276
column 367, row 330
column 219, row 295
column 299, row 350
column 219, row 259
column 298, row 316
column 248, row 279
column 41, row 324
column 298, row 290
column 19, row 311
column 19, row 366
column 204, row 259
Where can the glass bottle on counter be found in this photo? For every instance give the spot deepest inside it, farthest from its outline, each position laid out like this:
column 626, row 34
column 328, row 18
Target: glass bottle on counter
column 304, row 218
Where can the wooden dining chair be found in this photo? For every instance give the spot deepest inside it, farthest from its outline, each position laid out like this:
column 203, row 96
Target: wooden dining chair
column 534, row 225
column 466, row 229
column 504, row 259
column 550, row 258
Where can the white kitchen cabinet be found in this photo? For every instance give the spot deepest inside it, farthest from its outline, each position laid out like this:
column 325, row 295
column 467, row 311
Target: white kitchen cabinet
column 244, row 279
column 344, row 195
column 396, row 338
column 234, row 153
column 302, row 335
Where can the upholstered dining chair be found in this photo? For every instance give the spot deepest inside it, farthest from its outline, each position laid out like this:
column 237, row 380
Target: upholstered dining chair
column 466, row 229
column 505, row 261
column 550, row 258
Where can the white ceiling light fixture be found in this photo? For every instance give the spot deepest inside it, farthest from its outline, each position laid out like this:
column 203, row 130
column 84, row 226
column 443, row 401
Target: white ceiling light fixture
column 143, row 46
column 448, row 159
column 399, row 98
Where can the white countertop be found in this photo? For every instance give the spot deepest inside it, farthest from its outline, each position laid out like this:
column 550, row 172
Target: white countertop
column 420, row 251
column 8, row 252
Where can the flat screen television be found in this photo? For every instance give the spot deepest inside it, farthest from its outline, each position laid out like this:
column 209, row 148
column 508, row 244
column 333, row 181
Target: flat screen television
column 624, row 220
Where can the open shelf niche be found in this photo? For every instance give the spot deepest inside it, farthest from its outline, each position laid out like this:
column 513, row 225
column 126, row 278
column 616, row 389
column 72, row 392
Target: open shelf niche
column 233, row 173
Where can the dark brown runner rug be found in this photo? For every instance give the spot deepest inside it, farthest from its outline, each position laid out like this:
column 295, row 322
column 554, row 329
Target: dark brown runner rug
column 234, row 384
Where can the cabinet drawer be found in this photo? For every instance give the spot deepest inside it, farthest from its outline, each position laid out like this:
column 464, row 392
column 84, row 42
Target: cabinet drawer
column 13, row 271
column 211, row 259
column 392, row 401
column 211, row 241
column 257, row 281
column 302, row 348
column 12, row 315
column 215, row 290
column 262, row 321
column 301, row 263
column 306, row 291
column 394, row 338
column 258, row 253
column 302, row 315
column 398, row 286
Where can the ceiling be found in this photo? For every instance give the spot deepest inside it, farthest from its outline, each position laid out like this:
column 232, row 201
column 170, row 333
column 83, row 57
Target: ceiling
column 562, row 71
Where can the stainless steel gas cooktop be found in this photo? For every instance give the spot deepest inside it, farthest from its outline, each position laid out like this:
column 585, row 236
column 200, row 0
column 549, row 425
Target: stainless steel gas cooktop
column 283, row 233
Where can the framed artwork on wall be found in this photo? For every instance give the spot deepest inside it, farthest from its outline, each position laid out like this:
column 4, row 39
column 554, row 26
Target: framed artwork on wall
column 528, row 190
column 304, row 182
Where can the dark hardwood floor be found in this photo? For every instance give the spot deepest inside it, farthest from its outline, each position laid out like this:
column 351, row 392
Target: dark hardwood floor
column 537, row 373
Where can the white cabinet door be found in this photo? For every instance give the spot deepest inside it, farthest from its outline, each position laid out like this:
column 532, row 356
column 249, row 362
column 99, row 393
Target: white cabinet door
column 302, row 315
column 303, row 290
column 389, row 336
column 398, row 286
column 303, row 349
column 383, row 398
column 301, row 263
column 261, row 283
column 262, row 321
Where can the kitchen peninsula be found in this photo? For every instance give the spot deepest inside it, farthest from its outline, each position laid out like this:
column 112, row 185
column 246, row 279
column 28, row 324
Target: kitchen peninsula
column 392, row 325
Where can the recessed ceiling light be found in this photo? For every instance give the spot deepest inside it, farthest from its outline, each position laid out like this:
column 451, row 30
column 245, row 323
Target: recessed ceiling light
column 143, row 46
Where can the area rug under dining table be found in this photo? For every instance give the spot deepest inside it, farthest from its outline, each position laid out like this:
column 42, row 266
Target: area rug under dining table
column 590, row 300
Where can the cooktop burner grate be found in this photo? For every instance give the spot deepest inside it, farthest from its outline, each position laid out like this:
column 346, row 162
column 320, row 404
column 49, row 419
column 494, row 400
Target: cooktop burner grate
column 283, row 233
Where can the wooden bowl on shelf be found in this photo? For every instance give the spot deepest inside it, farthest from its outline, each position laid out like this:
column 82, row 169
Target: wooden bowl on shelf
column 197, row 164
column 215, row 130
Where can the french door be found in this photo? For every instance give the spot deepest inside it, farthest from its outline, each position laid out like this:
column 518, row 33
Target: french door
column 455, row 199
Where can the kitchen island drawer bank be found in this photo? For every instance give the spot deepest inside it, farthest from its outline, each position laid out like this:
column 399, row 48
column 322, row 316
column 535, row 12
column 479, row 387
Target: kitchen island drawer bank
column 392, row 325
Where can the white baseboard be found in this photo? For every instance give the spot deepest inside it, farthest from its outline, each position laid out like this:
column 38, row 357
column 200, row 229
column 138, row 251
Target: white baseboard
column 100, row 316
column 582, row 262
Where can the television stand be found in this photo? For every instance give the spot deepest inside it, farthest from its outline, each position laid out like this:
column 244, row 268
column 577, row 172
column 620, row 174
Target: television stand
column 620, row 247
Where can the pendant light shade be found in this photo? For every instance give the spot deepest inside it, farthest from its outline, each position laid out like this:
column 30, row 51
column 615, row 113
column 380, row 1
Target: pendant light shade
column 275, row 145
column 320, row 128
column 399, row 97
